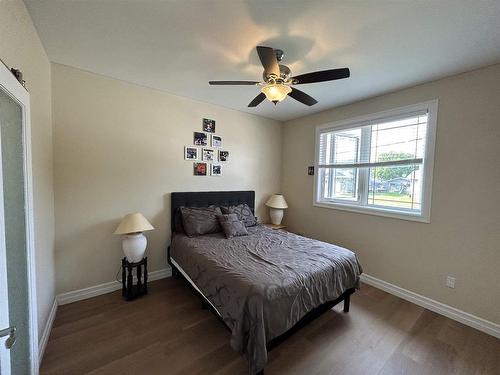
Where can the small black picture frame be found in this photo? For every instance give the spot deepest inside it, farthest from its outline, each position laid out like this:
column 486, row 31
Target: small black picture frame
column 207, row 154
column 200, row 169
column 216, row 141
column 191, row 153
column 216, row 170
column 200, row 139
column 208, row 125
column 223, row 156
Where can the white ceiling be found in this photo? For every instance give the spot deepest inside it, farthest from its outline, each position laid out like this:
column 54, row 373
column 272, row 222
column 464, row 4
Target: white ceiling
column 178, row 46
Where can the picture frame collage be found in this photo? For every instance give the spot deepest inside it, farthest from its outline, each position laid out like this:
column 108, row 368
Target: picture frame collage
column 207, row 152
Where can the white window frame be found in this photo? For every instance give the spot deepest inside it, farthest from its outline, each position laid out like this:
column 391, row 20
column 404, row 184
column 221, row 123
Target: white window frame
column 428, row 163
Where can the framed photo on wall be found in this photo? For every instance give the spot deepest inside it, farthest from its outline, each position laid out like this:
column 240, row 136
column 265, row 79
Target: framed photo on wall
column 208, row 125
column 191, row 153
column 200, row 169
column 216, row 141
column 216, row 170
column 208, row 154
column 200, row 139
column 223, row 156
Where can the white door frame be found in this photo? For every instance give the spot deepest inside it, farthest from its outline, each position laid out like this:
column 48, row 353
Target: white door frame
column 18, row 93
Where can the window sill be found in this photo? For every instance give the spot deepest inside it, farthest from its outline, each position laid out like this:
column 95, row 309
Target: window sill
column 375, row 211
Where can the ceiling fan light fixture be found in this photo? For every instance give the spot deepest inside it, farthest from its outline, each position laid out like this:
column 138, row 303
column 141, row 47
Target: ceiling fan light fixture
column 276, row 92
column 277, row 79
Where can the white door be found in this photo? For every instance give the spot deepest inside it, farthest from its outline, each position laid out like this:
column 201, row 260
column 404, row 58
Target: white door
column 18, row 321
column 7, row 331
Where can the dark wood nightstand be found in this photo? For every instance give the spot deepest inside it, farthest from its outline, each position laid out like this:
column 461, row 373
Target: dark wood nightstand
column 276, row 227
column 130, row 290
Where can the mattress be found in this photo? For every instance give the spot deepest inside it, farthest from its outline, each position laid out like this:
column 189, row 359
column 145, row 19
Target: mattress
column 264, row 283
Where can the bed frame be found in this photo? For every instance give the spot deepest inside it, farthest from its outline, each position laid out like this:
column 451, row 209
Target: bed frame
column 232, row 198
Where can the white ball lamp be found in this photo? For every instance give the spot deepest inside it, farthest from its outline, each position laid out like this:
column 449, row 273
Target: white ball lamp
column 277, row 204
column 134, row 242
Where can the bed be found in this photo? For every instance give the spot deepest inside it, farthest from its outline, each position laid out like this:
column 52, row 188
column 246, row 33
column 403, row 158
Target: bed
column 263, row 286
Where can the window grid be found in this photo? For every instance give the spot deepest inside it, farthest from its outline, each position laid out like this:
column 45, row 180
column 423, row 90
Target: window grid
column 386, row 174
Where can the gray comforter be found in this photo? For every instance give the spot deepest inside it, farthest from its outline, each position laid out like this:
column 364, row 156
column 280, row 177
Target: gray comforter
column 264, row 283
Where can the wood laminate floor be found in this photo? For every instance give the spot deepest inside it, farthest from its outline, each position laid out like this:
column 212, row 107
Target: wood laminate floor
column 167, row 332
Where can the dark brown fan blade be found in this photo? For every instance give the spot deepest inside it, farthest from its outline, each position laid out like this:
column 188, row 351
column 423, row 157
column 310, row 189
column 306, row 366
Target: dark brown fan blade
column 302, row 97
column 232, row 82
column 257, row 100
column 324, row 75
column 268, row 59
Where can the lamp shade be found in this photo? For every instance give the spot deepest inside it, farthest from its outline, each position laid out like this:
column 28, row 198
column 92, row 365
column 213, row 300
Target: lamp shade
column 277, row 201
column 133, row 223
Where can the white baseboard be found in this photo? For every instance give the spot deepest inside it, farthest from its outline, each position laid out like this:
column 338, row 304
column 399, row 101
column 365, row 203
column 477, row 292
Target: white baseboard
column 42, row 344
column 97, row 290
column 473, row 321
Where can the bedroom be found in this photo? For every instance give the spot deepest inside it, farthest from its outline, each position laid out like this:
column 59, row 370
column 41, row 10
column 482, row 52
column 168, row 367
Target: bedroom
column 116, row 92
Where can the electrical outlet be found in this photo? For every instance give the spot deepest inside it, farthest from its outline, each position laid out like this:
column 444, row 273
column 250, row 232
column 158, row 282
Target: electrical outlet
column 450, row 282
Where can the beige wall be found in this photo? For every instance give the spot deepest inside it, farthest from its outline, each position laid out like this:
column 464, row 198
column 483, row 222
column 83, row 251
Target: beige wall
column 463, row 238
column 20, row 47
column 119, row 147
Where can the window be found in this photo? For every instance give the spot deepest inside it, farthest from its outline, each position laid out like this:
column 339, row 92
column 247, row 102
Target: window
column 379, row 164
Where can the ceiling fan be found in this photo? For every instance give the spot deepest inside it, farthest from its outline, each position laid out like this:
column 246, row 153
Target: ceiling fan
column 277, row 79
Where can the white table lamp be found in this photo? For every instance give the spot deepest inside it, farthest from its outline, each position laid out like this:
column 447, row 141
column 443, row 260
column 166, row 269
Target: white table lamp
column 277, row 205
column 134, row 242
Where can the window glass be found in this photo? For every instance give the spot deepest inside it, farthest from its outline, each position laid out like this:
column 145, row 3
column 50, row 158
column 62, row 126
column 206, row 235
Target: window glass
column 378, row 165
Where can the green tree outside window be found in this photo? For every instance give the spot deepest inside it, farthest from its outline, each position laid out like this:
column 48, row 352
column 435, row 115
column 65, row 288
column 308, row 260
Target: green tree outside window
column 388, row 173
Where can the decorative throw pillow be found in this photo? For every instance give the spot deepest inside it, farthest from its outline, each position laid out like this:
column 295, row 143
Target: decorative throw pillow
column 232, row 226
column 200, row 220
column 243, row 212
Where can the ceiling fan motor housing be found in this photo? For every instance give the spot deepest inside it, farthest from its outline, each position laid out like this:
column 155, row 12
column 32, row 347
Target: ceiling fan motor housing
column 285, row 74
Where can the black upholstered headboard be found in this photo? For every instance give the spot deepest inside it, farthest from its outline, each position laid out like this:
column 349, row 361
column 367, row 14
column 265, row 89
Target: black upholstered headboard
column 208, row 198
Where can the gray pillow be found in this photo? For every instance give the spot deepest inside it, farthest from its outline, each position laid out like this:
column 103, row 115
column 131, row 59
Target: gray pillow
column 232, row 226
column 200, row 220
column 243, row 212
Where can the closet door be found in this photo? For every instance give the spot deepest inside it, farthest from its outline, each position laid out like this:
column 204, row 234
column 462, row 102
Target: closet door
column 18, row 328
